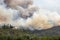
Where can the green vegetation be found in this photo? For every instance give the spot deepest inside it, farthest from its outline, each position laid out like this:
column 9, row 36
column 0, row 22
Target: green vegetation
column 6, row 33
column 10, row 34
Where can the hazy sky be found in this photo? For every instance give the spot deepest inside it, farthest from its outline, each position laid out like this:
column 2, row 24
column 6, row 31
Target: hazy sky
column 52, row 5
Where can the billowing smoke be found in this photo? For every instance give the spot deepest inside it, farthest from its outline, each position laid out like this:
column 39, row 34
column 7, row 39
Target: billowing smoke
column 23, row 14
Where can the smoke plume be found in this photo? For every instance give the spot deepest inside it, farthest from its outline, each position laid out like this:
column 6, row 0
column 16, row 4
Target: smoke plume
column 22, row 13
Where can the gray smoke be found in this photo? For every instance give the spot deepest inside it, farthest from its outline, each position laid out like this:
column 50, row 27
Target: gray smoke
column 23, row 14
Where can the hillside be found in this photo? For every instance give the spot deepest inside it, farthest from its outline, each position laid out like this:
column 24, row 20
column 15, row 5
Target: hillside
column 13, row 34
column 48, row 32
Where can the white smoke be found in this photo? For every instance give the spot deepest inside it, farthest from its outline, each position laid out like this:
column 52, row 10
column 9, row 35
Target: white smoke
column 22, row 13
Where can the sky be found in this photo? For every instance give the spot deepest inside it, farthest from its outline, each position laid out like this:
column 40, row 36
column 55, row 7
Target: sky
column 51, row 5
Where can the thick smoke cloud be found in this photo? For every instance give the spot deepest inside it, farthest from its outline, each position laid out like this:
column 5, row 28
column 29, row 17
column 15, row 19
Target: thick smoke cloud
column 23, row 14
column 15, row 3
column 5, row 16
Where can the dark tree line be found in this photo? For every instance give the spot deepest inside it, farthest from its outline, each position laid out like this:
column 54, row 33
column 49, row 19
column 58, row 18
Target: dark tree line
column 9, row 26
